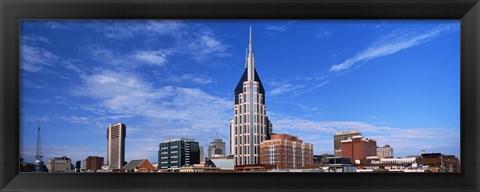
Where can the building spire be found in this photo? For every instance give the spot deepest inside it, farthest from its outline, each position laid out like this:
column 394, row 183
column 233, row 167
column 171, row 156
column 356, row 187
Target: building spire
column 250, row 61
column 246, row 57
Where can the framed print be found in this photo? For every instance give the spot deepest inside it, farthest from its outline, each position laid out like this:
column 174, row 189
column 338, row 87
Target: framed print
column 240, row 96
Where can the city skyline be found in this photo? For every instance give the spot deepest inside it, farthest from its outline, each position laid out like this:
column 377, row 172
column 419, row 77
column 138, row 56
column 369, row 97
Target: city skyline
column 174, row 79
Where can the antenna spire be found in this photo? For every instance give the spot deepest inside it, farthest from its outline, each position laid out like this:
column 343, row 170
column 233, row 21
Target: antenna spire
column 250, row 62
column 38, row 155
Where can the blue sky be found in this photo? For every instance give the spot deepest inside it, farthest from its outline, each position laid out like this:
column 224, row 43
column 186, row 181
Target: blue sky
column 397, row 81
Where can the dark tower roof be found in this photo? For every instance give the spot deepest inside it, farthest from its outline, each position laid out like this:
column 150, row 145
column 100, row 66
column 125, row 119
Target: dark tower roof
column 239, row 88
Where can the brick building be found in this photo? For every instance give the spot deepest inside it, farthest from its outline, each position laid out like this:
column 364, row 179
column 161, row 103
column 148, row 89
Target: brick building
column 438, row 162
column 339, row 137
column 358, row 148
column 284, row 151
column 93, row 163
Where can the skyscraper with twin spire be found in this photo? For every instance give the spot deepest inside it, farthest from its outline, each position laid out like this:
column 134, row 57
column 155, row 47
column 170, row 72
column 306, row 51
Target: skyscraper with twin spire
column 250, row 124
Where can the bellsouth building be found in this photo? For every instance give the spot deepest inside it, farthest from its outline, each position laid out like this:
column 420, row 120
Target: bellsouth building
column 250, row 125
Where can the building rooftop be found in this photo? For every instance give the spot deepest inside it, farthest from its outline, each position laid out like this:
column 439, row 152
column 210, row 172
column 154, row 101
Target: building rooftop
column 178, row 139
column 133, row 164
column 347, row 132
column 223, row 163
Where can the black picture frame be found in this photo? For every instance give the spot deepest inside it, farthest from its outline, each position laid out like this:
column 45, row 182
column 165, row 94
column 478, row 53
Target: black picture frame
column 468, row 11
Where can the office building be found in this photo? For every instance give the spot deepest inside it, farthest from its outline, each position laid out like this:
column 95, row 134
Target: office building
column 284, row 151
column 116, row 134
column 358, row 148
column 202, row 154
column 250, row 124
column 176, row 153
column 385, row 152
column 59, row 164
column 216, row 147
column 339, row 137
column 93, row 163
column 78, row 166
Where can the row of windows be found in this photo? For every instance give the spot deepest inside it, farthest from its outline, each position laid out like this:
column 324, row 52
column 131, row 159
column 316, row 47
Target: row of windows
column 258, row 109
column 258, row 98
column 243, row 139
column 245, row 129
column 258, row 119
column 245, row 160
column 240, row 150
column 246, row 87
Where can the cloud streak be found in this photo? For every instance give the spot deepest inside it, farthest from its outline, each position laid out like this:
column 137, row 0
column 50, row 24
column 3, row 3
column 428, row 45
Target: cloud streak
column 393, row 42
column 390, row 43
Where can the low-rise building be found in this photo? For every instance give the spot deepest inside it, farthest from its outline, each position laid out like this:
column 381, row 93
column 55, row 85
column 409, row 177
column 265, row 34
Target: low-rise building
column 385, row 152
column 339, row 164
column 358, row 148
column 321, row 160
column 437, row 162
column 139, row 165
column 250, row 168
column 59, row 164
column 93, row 163
column 285, row 151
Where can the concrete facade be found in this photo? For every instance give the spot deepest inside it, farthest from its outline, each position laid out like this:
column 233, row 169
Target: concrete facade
column 116, row 134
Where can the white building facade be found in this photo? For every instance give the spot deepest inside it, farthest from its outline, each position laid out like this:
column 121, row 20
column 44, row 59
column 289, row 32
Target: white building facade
column 385, row 152
column 59, row 164
column 250, row 125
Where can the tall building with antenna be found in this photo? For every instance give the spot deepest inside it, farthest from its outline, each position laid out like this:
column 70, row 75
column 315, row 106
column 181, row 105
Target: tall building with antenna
column 250, row 125
column 39, row 166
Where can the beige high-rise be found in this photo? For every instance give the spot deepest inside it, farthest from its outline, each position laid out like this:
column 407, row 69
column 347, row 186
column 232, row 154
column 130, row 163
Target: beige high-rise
column 250, row 125
column 116, row 134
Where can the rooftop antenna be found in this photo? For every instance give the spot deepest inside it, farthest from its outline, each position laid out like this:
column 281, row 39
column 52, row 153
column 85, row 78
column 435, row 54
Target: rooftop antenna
column 38, row 155
column 39, row 166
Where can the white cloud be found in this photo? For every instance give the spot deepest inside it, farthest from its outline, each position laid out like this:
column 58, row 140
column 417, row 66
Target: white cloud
column 151, row 57
column 34, row 39
column 129, row 29
column 196, row 41
column 195, row 78
column 128, row 59
column 323, row 34
column 203, row 46
column 280, row 28
column 281, row 87
column 395, row 41
column 165, row 112
column 36, row 59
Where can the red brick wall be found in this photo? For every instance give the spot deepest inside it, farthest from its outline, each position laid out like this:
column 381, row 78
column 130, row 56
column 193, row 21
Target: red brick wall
column 359, row 149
